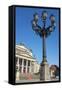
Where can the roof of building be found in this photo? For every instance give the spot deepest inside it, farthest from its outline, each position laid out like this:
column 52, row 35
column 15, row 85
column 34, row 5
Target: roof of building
column 22, row 50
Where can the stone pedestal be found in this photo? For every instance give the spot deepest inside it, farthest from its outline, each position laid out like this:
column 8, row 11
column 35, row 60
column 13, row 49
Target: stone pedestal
column 44, row 71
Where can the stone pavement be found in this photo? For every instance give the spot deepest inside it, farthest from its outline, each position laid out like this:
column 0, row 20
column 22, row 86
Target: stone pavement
column 33, row 80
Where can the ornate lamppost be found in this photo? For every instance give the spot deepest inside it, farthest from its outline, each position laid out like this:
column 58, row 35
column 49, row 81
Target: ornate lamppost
column 43, row 32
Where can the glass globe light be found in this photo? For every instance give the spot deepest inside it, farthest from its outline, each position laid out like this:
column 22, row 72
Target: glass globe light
column 33, row 23
column 50, row 29
column 44, row 15
column 54, row 24
column 36, row 17
column 52, row 18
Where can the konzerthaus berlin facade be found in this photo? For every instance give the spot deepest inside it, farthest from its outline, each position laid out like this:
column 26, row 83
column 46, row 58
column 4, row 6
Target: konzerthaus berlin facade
column 25, row 61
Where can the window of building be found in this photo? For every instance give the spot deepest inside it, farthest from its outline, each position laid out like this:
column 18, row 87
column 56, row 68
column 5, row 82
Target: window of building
column 20, row 69
column 28, row 70
column 24, row 62
column 20, row 61
column 24, row 69
column 28, row 63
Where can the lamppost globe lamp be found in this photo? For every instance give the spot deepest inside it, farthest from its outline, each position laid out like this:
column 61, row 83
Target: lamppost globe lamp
column 50, row 29
column 44, row 15
column 43, row 32
column 52, row 18
column 36, row 17
column 33, row 23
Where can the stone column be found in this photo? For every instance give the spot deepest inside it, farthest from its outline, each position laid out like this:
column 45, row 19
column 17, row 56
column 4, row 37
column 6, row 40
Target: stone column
column 18, row 73
column 26, row 65
column 22, row 65
column 30, row 67
column 18, row 64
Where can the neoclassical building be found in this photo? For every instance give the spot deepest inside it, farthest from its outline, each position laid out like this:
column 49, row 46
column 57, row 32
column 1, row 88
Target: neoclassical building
column 25, row 61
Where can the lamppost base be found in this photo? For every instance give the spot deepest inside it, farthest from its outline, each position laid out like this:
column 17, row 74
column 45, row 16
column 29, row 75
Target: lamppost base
column 44, row 71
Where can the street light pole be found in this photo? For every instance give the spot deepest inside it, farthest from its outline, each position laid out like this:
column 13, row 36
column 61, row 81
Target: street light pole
column 43, row 32
column 44, row 49
column 44, row 41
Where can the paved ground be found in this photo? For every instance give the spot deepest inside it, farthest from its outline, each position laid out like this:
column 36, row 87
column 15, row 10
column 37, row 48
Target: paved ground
column 22, row 81
column 36, row 80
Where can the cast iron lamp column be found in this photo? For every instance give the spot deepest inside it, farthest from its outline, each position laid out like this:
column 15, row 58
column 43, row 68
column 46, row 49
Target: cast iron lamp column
column 43, row 32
